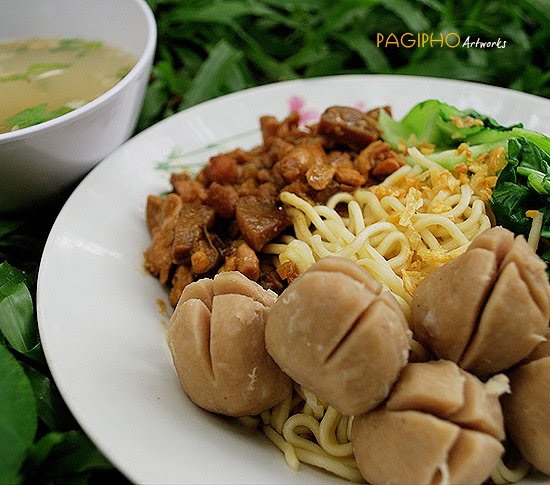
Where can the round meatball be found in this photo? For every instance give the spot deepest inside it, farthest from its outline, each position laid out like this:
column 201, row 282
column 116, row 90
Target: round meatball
column 440, row 424
column 336, row 333
column 486, row 309
column 526, row 408
column 216, row 338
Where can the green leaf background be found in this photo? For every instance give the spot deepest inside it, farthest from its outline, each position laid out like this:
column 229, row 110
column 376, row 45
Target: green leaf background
column 250, row 42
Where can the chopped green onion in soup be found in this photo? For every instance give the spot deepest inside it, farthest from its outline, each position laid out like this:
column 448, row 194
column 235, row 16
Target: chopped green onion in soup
column 41, row 79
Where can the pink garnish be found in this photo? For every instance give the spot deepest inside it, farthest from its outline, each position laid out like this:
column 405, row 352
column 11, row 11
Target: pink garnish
column 297, row 104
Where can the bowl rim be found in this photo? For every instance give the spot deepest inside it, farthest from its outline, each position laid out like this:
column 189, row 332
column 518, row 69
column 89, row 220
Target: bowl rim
column 141, row 64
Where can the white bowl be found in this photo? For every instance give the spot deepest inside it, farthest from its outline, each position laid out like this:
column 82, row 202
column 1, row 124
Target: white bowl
column 42, row 161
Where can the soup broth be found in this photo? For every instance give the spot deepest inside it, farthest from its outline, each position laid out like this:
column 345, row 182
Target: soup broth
column 41, row 79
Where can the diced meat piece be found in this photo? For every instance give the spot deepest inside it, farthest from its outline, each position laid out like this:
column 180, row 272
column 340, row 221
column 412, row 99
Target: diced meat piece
column 269, row 278
column 349, row 126
column 340, row 159
column 230, row 264
column 301, row 189
column 267, row 190
column 259, row 220
column 249, row 170
column 182, row 277
column 320, row 175
column 205, row 257
column 241, row 257
column 289, row 126
column 223, row 199
column 378, row 160
column 158, row 256
column 269, row 126
column 192, row 220
column 152, row 212
column 296, row 163
column 288, row 271
column 349, row 176
column 375, row 113
column 188, row 189
column 277, row 150
column 247, row 262
column 222, row 169
column 272, row 129
column 263, row 175
column 248, row 187
column 386, row 167
column 242, row 156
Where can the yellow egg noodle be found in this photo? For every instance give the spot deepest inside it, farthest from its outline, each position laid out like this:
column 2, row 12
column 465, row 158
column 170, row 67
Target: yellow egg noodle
column 418, row 218
column 316, row 434
column 503, row 474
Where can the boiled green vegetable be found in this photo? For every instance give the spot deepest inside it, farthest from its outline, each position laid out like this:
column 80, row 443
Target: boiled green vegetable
column 523, row 184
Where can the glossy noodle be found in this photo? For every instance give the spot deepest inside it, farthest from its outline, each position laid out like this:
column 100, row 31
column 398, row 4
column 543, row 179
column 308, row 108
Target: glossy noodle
column 399, row 231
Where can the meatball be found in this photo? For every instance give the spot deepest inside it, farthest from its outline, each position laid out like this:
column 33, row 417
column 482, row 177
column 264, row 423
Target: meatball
column 526, row 408
column 216, row 338
column 488, row 308
column 336, row 333
column 440, row 424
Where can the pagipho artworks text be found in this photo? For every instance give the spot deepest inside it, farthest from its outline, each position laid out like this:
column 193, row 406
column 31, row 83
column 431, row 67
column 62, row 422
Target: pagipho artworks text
column 451, row 40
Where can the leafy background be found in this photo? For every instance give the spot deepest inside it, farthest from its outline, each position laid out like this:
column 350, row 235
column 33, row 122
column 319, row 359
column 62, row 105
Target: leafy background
column 208, row 48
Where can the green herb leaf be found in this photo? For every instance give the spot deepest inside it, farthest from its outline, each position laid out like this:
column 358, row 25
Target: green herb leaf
column 212, row 74
column 517, row 191
column 18, row 417
column 35, row 115
column 32, row 71
column 373, row 57
column 123, row 71
column 68, row 454
column 8, row 226
column 80, row 47
column 411, row 16
column 51, row 408
column 12, row 77
column 156, row 98
column 17, row 322
column 36, row 69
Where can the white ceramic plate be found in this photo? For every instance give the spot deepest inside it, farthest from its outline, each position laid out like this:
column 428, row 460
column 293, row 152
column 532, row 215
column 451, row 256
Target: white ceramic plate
column 100, row 320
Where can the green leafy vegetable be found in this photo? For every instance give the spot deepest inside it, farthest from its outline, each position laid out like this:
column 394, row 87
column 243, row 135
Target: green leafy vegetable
column 212, row 74
column 522, row 186
column 16, row 310
column 293, row 39
column 12, row 77
column 18, row 417
column 79, row 46
column 35, row 115
column 36, row 69
column 32, row 71
column 449, row 159
column 446, row 126
column 68, row 457
column 51, row 408
column 443, row 125
column 123, row 71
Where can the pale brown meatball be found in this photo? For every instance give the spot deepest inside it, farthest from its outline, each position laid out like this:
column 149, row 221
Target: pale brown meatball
column 336, row 333
column 440, row 424
column 488, row 308
column 526, row 408
column 216, row 337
